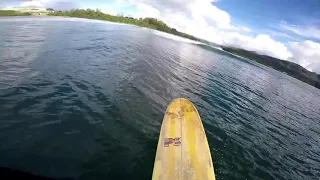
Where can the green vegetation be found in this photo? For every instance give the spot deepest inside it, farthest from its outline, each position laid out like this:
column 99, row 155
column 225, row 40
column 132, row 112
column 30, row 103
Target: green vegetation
column 151, row 23
column 290, row 68
column 287, row 67
column 13, row 13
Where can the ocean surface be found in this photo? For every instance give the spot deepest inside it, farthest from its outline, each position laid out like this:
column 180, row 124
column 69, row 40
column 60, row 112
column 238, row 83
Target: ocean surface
column 85, row 99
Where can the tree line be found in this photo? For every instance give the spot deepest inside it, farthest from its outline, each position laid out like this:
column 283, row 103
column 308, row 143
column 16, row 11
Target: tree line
column 151, row 23
column 13, row 13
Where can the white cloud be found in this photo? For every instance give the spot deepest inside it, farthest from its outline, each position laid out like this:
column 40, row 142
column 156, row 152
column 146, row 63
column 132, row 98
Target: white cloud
column 35, row 3
column 7, row 3
column 307, row 54
column 233, row 28
column 55, row 4
column 305, row 31
column 265, row 45
column 280, row 34
column 198, row 8
column 147, row 10
column 206, row 21
column 261, row 43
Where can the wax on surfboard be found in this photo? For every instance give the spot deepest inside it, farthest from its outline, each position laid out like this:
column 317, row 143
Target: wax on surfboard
column 183, row 152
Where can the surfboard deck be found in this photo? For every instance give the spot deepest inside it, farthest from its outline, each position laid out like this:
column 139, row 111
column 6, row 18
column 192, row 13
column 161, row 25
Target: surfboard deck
column 183, row 152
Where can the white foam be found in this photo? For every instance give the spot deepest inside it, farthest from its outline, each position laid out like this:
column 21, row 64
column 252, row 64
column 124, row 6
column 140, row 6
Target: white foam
column 57, row 18
column 74, row 19
column 87, row 20
column 219, row 48
column 174, row 37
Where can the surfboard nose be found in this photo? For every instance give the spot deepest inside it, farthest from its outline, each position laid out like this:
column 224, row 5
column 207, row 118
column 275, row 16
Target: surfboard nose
column 183, row 151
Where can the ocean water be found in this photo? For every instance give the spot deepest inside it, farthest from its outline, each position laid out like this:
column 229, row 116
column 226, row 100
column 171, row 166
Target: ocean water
column 85, row 99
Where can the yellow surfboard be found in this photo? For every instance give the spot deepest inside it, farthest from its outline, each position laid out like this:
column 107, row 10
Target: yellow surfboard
column 183, row 152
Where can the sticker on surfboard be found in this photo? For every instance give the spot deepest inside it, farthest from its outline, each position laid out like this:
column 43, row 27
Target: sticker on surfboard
column 175, row 141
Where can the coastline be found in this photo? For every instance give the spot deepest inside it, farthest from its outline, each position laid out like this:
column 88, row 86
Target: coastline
column 288, row 68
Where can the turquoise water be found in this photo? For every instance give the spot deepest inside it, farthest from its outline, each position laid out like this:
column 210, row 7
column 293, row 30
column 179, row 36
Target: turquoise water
column 86, row 99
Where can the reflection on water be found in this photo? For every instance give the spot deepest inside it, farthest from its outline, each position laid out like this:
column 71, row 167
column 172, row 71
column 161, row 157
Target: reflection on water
column 18, row 50
column 84, row 100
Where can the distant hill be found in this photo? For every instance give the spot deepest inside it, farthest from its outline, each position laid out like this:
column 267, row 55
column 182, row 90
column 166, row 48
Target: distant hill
column 287, row 67
column 290, row 68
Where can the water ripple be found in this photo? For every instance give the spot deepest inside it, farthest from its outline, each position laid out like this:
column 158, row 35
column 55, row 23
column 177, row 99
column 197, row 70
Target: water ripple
column 92, row 97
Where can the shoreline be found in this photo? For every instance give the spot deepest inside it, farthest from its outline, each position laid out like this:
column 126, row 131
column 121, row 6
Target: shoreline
column 161, row 29
column 157, row 32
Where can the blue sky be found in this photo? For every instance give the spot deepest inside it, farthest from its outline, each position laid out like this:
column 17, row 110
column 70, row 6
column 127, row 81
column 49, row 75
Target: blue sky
column 271, row 10
column 285, row 29
column 264, row 15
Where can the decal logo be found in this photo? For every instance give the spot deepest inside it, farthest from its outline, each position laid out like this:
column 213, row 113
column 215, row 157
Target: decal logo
column 175, row 141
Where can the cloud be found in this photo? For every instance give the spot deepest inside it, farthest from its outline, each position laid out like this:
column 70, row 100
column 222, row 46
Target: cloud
column 201, row 11
column 204, row 20
column 262, row 43
column 233, row 28
column 55, row 4
column 62, row 5
column 6, row 1
column 307, row 54
column 280, row 34
column 188, row 8
column 35, row 3
column 147, row 10
column 309, row 31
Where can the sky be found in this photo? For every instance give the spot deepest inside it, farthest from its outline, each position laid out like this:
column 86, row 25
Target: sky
column 285, row 29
